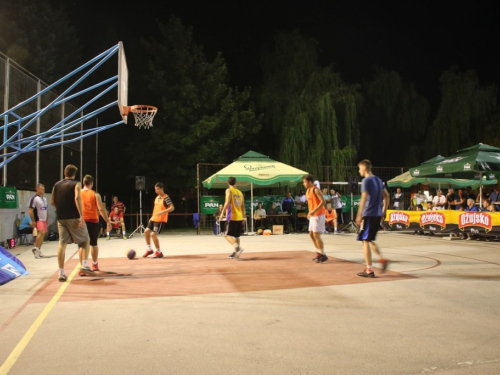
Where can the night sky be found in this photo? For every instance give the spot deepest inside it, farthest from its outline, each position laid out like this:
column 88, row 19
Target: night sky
column 419, row 40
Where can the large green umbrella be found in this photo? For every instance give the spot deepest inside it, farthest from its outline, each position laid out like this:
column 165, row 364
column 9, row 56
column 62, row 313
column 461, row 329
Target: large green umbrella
column 255, row 170
column 405, row 180
column 474, row 162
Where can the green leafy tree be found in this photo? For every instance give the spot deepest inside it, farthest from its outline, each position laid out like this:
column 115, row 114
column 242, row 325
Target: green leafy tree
column 201, row 119
column 312, row 112
column 395, row 119
column 40, row 37
column 467, row 114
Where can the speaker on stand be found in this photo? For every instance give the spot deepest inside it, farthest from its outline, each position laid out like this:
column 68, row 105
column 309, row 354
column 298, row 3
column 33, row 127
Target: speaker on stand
column 140, row 185
column 353, row 185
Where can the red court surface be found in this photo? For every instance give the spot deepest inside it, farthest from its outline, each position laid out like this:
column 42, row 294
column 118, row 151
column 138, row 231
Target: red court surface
column 207, row 274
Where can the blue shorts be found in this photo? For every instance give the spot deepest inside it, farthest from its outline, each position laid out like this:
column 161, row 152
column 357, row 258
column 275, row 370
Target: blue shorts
column 369, row 228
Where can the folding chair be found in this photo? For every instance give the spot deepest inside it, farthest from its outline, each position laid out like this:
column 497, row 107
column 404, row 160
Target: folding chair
column 22, row 238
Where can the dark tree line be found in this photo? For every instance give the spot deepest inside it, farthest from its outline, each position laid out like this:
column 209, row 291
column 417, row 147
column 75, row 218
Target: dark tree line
column 301, row 113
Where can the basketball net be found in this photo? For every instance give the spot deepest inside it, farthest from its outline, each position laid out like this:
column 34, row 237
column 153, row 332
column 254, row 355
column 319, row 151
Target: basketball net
column 143, row 115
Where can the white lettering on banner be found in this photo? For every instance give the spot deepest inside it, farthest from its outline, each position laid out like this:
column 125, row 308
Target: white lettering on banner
column 211, row 205
column 432, row 218
column 439, row 168
column 474, row 231
column 452, row 160
column 432, row 228
column 10, row 268
column 399, row 226
column 416, row 172
column 477, row 219
column 11, row 197
column 399, row 217
column 466, row 166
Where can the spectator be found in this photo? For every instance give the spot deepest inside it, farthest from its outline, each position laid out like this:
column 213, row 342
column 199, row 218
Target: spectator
column 495, row 198
column 485, row 204
column 337, row 206
column 221, row 216
column 420, row 207
column 116, row 219
column 468, row 195
column 25, row 225
column 439, row 201
column 398, row 200
column 300, row 201
column 330, row 218
column 273, row 211
column 451, row 198
column 419, row 198
column 287, row 205
column 259, row 215
column 117, row 203
column 429, row 206
column 326, row 196
column 470, row 205
column 460, row 200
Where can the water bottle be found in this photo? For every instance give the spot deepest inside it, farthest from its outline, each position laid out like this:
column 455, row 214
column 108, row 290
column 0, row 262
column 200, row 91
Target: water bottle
column 35, row 232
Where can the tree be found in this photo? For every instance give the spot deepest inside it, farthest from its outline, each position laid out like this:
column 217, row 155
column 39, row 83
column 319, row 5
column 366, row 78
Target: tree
column 201, row 119
column 396, row 116
column 312, row 112
column 466, row 110
column 40, row 37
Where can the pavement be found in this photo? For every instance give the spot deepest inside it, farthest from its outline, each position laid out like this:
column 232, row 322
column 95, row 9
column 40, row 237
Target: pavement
column 436, row 309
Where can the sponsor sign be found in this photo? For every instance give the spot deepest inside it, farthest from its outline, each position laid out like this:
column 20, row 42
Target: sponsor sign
column 208, row 205
column 399, row 217
column 432, row 218
column 475, row 219
column 466, row 167
column 439, row 169
column 416, row 172
column 8, row 197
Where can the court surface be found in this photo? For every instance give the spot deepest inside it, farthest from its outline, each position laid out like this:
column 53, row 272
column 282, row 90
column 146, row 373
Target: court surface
column 436, row 309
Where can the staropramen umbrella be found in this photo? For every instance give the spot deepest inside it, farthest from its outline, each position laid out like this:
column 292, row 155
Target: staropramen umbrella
column 476, row 162
column 255, row 170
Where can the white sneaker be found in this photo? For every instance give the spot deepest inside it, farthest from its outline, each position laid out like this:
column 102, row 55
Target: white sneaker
column 36, row 253
column 237, row 253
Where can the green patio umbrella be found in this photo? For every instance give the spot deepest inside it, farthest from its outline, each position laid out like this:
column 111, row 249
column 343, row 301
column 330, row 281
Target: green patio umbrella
column 474, row 162
column 405, row 180
column 255, row 170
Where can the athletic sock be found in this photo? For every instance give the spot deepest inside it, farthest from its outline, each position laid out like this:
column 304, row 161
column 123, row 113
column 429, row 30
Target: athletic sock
column 158, row 250
column 123, row 232
column 370, row 267
column 61, row 271
column 149, row 247
column 94, row 263
column 107, row 233
column 236, row 246
column 85, row 263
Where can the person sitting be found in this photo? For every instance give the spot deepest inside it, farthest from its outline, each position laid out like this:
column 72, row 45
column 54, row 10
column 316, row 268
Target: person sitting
column 25, row 225
column 429, row 206
column 116, row 219
column 468, row 195
column 398, row 200
column 287, row 204
column 330, row 219
column 495, row 198
column 451, row 197
column 273, row 211
column 471, row 205
column 460, row 200
column 259, row 216
column 439, row 201
column 221, row 217
column 117, row 203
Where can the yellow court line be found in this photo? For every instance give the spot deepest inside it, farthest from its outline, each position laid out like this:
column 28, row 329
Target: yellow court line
column 16, row 353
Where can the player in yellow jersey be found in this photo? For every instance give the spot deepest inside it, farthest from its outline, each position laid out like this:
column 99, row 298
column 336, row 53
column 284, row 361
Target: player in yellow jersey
column 163, row 205
column 235, row 209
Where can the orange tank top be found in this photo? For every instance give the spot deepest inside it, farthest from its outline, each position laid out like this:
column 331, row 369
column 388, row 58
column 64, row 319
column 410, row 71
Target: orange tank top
column 161, row 202
column 89, row 204
column 313, row 201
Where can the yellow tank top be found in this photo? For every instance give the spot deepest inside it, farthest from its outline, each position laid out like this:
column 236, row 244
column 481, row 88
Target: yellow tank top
column 234, row 211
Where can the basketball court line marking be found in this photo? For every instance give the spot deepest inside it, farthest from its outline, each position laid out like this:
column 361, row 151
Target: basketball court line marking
column 23, row 343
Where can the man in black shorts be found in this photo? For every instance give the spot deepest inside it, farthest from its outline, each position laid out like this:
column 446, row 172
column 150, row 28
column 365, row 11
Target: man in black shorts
column 162, row 207
column 369, row 215
column 66, row 198
column 234, row 206
column 92, row 207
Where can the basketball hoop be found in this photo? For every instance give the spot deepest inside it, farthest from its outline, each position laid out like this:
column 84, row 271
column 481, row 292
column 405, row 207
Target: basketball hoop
column 143, row 115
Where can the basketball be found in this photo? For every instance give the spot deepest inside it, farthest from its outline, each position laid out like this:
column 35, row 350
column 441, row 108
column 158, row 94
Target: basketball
column 131, row 254
column 259, row 231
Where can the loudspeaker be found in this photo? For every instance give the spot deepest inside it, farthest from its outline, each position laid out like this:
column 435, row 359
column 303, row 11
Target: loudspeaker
column 140, row 183
column 353, row 185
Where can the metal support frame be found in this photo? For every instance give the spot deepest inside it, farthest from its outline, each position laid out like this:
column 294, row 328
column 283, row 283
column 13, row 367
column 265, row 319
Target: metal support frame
column 141, row 227
column 60, row 133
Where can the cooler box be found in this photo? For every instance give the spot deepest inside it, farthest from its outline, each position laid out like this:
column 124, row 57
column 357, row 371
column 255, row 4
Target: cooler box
column 277, row 229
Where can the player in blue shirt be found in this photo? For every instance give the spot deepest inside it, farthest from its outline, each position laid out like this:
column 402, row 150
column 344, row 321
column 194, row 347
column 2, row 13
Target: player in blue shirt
column 370, row 213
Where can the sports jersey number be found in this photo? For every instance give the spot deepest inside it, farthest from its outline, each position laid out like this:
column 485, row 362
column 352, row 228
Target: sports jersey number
column 237, row 201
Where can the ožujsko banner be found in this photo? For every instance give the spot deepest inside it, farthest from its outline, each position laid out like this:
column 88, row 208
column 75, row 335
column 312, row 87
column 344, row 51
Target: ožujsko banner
column 444, row 221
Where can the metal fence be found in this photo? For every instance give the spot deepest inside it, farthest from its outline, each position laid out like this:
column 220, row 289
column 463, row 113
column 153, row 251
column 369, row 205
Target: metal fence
column 44, row 166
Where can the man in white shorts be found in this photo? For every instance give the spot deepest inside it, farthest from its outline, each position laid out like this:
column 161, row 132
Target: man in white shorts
column 39, row 214
column 316, row 216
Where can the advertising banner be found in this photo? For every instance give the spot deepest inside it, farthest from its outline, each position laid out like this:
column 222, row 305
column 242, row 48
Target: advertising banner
column 346, row 202
column 444, row 221
column 8, row 197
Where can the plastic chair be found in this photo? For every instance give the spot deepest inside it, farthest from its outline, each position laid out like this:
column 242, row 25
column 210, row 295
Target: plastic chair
column 22, row 238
